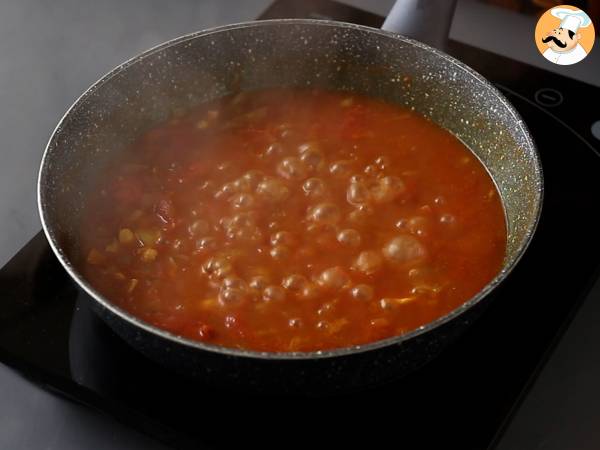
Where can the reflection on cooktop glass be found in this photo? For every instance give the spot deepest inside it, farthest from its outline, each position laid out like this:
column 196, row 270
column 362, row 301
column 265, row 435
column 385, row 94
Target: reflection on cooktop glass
column 461, row 399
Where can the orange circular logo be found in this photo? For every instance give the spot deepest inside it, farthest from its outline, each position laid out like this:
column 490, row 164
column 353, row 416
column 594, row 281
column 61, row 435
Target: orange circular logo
column 564, row 35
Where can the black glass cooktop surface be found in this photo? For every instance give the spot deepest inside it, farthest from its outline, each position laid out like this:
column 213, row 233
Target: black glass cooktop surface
column 462, row 399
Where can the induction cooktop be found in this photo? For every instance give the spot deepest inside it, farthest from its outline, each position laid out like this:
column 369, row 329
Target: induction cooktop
column 462, row 399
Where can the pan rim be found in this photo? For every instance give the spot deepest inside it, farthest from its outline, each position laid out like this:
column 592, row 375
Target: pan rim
column 262, row 355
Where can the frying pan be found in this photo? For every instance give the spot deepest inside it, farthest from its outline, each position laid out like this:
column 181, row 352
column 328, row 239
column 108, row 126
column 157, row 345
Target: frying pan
column 201, row 66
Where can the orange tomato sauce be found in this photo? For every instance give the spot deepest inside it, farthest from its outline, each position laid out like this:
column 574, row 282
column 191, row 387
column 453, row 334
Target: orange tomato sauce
column 293, row 220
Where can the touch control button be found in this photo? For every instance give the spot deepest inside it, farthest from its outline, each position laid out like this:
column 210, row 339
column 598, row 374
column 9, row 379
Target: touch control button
column 548, row 97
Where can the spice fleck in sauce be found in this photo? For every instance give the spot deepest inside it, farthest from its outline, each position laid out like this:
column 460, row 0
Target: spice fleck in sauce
column 293, row 220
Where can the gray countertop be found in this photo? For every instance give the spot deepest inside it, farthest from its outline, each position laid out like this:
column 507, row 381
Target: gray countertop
column 52, row 51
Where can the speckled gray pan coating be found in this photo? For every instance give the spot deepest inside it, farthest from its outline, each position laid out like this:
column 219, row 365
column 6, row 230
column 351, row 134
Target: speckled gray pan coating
column 305, row 53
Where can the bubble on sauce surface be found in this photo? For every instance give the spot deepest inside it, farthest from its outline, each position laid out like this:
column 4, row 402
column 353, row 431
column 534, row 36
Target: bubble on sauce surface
column 422, row 274
column 440, row 200
column 230, row 321
column 360, row 216
column 341, row 168
column 231, row 296
column 401, row 224
column 295, row 322
column 279, row 252
column 312, row 159
column 274, row 149
column 224, row 166
column 242, row 201
column 383, row 162
column 310, row 291
column 283, row 238
column 368, row 262
column 207, row 185
column 295, row 282
column 358, row 193
column 273, row 190
column 314, row 187
column 308, row 147
column 253, row 177
column 285, row 131
column 419, row 225
column 250, row 233
column 448, row 222
column 241, row 185
column 217, row 267
column 426, row 289
column 325, row 213
column 388, row 303
column 322, row 325
column 326, row 308
column 291, row 168
column 404, row 249
column 362, row 292
column 372, row 170
column 206, row 243
column 273, row 293
column 334, row 278
column 349, row 237
column 177, row 244
column 259, row 282
column 198, row 227
column 234, row 283
column 226, row 190
column 388, row 189
column 242, row 219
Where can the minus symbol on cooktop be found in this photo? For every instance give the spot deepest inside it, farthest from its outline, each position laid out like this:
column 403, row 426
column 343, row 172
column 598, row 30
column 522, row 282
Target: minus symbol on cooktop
column 548, row 97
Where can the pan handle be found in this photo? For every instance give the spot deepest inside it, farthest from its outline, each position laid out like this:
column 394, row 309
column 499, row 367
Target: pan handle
column 427, row 21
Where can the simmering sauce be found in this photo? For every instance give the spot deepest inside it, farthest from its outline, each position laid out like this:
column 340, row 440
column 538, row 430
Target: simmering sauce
column 293, row 220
